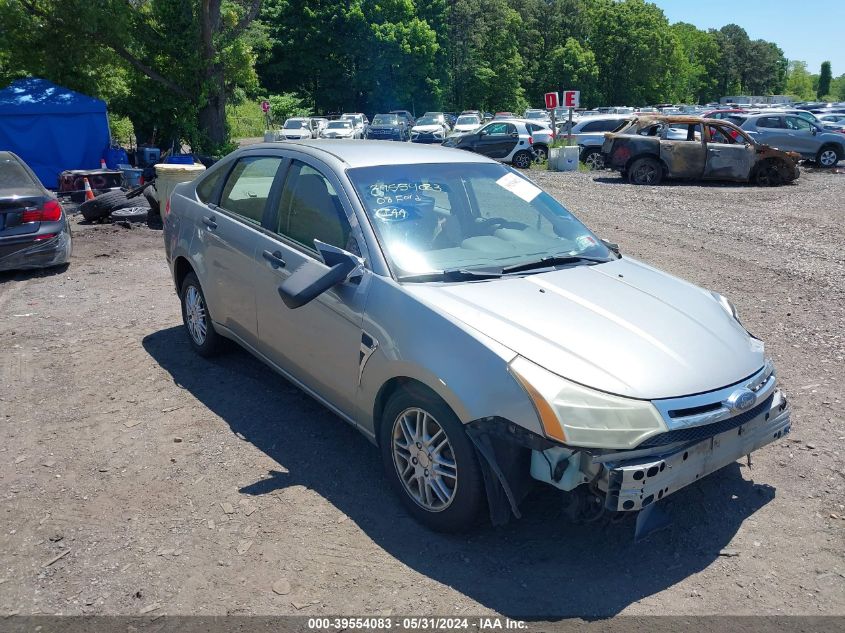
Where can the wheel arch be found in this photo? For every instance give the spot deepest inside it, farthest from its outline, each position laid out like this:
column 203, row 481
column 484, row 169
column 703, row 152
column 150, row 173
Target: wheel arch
column 181, row 269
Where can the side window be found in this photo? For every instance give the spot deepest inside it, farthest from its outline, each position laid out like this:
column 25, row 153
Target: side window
column 718, row 134
column 770, row 122
column 206, row 189
column 248, row 187
column 797, row 123
column 497, row 129
column 510, row 129
column 310, row 209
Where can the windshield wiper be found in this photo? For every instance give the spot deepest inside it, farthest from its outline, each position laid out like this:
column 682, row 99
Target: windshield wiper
column 452, row 274
column 552, row 260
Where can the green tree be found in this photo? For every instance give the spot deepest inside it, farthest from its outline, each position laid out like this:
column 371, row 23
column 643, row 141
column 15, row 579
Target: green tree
column 825, row 77
column 703, row 58
column 168, row 64
column 635, row 50
column 799, row 82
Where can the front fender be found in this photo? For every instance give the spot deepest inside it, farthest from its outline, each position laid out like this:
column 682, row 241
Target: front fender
column 468, row 370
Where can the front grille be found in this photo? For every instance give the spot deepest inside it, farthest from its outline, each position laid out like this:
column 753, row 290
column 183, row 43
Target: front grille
column 698, row 433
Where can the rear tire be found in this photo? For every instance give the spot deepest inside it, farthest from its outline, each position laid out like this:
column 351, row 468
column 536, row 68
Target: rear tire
column 522, row 160
column 645, row 171
column 197, row 320
column 593, row 159
column 422, row 438
column 827, row 157
column 542, row 153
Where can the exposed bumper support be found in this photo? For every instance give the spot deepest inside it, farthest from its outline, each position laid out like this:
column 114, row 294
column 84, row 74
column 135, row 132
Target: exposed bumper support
column 634, row 484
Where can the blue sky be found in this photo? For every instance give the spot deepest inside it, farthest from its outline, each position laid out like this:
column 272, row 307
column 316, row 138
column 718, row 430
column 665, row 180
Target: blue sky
column 812, row 31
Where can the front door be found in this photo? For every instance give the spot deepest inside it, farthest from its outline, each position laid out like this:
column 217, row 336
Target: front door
column 682, row 149
column 497, row 140
column 230, row 232
column 729, row 157
column 803, row 135
column 319, row 343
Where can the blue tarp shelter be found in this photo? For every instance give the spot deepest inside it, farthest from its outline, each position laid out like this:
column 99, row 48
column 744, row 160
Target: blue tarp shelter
column 52, row 128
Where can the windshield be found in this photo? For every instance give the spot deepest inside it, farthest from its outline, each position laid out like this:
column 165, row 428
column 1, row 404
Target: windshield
column 385, row 119
column 292, row 124
column 535, row 114
column 339, row 125
column 435, row 217
column 427, row 120
column 468, row 120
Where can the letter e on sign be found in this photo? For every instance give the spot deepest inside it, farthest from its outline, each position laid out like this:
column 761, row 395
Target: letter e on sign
column 551, row 100
column 572, row 98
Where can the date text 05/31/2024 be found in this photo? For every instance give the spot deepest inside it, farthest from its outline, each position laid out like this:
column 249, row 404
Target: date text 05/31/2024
column 416, row 623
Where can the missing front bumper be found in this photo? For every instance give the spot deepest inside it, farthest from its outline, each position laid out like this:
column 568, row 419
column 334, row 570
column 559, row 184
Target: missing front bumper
column 634, row 484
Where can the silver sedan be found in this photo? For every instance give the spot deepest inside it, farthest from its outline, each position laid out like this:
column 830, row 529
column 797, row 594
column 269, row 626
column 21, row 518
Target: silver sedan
column 469, row 325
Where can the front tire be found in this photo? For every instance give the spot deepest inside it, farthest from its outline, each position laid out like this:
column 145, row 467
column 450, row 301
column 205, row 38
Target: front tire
column 645, row 171
column 827, row 157
column 430, row 461
column 197, row 320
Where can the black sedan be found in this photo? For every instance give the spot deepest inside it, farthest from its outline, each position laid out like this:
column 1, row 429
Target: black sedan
column 34, row 230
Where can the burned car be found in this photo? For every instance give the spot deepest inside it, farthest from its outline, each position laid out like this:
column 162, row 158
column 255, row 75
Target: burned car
column 652, row 148
column 469, row 325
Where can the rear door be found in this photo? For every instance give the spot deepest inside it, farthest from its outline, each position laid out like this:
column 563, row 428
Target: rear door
column 728, row 158
column 319, row 343
column 772, row 130
column 230, row 233
column 684, row 157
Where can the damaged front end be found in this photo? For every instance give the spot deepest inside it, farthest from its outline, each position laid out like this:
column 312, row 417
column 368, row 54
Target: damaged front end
column 599, row 481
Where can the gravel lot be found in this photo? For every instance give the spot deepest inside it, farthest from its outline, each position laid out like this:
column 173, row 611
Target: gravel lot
column 138, row 478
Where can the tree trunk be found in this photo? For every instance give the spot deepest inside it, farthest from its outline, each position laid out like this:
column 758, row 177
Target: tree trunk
column 212, row 115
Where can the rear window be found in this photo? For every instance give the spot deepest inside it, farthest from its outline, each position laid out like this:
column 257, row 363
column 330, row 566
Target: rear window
column 13, row 174
column 605, row 125
column 207, row 188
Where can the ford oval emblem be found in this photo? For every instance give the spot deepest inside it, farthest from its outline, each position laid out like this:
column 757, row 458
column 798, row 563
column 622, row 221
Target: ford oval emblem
column 741, row 400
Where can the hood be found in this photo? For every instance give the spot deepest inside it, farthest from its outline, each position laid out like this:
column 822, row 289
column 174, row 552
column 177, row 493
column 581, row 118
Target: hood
column 338, row 132
column 386, row 127
column 621, row 327
column 466, row 127
column 427, row 128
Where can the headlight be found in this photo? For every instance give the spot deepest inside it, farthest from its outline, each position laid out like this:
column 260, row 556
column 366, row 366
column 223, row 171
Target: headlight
column 579, row 416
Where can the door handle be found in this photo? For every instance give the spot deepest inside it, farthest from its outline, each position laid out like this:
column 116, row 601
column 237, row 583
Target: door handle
column 715, row 151
column 209, row 222
column 275, row 259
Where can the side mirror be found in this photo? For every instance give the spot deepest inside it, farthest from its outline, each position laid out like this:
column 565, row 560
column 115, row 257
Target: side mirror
column 815, row 130
column 313, row 278
column 483, row 132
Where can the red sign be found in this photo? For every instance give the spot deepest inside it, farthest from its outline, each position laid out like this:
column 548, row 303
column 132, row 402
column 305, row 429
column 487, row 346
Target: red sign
column 265, row 105
column 572, row 98
column 551, row 100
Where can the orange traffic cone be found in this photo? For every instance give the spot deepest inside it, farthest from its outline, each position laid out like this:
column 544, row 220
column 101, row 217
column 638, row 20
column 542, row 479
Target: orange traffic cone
column 103, row 164
column 89, row 194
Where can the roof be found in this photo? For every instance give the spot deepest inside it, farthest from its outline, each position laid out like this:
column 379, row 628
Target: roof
column 361, row 153
column 39, row 96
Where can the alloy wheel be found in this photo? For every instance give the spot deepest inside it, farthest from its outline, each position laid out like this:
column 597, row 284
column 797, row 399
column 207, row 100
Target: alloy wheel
column 594, row 161
column 424, row 459
column 828, row 158
column 645, row 174
column 195, row 315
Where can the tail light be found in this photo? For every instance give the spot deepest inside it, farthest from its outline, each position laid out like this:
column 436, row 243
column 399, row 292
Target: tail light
column 531, row 140
column 50, row 212
column 167, row 206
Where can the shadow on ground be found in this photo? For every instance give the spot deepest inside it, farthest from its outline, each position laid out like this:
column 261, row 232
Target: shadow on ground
column 540, row 567
column 32, row 273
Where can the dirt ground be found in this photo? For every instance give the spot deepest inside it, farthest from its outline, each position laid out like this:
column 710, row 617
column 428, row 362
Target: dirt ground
column 137, row 477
